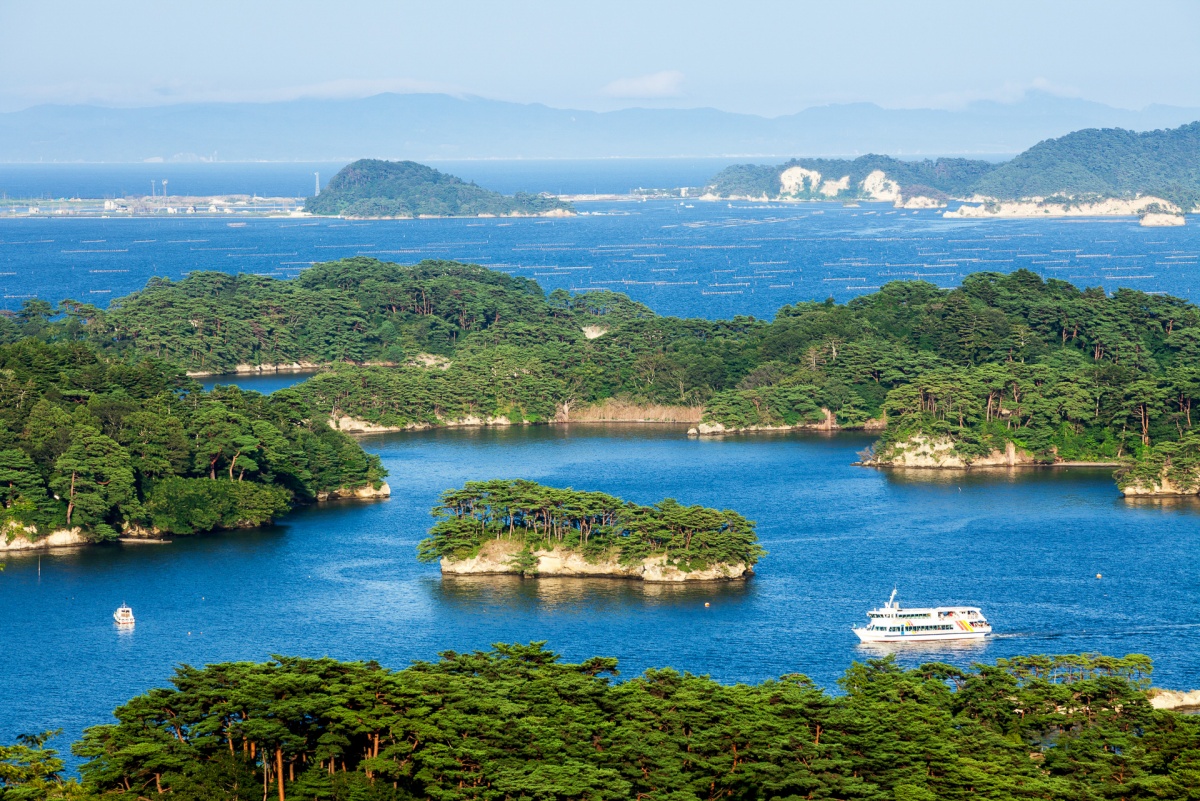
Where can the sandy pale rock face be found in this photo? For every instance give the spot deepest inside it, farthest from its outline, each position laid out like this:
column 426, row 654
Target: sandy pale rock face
column 63, row 538
column 496, row 558
column 1161, row 220
column 1174, row 699
column 878, row 186
column 364, row 493
column 798, row 181
column 938, row 453
column 831, row 188
column 1040, row 207
column 1161, row 487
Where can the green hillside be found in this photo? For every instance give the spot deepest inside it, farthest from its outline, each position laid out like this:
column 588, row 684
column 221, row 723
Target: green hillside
column 1109, row 162
column 375, row 188
column 1060, row 372
column 931, row 178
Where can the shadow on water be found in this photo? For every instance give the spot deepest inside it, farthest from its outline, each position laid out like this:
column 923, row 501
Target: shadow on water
column 1186, row 504
column 584, row 595
column 993, row 476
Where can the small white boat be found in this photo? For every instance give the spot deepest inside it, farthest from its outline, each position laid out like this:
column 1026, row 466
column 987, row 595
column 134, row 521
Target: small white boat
column 123, row 615
column 893, row 623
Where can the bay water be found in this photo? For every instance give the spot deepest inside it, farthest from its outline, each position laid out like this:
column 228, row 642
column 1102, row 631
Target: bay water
column 342, row 579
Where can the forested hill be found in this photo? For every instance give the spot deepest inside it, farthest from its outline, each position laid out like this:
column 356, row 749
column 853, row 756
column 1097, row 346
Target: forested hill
column 1092, row 163
column 374, row 188
column 843, row 178
column 517, row 722
column 1109, row 162
column 1062, row 373
column 109, row 446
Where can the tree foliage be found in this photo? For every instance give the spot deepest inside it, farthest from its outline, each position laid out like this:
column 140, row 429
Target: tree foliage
column 105, row 445
column 518, row 722
column 375, row 188
column 593, row 523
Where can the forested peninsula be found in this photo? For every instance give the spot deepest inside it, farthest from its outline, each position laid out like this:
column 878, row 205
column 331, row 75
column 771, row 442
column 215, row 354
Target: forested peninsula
column 1005, row 369
column 1097, row 171
column 518, row 526
column 519, row 722
column 93, row 448
column 374, row 188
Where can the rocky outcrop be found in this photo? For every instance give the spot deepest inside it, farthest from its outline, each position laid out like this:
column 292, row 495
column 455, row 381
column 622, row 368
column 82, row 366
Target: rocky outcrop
column 63, row 538
column 1044, row 207
column 617, row 411
column 1160, row 486
column 878, row 186
column 920, row 202
column 364, row 493
column 940, row 453
column 830, row 423
column 1157, row 220
column 253, row 369
column 353, row 425
column 1174, row 699
column 498, row 557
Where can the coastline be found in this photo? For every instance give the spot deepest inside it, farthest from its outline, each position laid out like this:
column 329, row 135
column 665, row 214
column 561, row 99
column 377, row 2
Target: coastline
column 60, row 539
column 496, row 557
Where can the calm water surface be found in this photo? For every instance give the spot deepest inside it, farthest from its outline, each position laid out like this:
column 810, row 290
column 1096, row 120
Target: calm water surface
column 691, row 259
column 343, row 580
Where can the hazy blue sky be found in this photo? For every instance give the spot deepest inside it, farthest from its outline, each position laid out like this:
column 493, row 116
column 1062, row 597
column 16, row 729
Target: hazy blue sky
column 761, row 57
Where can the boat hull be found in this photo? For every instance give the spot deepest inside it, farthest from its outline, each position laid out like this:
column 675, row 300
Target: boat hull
column 895, row 636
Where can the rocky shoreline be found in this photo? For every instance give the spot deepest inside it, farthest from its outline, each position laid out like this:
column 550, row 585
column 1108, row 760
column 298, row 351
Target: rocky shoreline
column 74, row 537
column 497, row 557
column 925, row 453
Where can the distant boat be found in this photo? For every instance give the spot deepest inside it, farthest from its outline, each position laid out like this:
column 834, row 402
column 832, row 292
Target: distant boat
column 236, row 225
column 123, row 616
column 894, row 624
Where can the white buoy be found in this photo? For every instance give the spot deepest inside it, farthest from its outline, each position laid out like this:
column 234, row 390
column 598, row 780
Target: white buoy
column 1098, row 576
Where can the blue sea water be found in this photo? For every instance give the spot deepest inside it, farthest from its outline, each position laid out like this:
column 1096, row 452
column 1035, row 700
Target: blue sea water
column 688, row 258
column 342, row 579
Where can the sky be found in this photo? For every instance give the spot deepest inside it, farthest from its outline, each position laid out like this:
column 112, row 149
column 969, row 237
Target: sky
column 766, row 58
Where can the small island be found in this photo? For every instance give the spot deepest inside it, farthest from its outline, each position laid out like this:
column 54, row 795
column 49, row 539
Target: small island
column 371, row 188
column 524, row 528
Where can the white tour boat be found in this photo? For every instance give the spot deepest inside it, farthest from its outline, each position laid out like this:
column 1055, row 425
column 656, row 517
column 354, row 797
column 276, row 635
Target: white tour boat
column 892, row 623
column 123, row 615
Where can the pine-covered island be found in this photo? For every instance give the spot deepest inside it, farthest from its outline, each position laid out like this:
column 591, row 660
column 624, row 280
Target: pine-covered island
column 372, row 188
column 525, row 528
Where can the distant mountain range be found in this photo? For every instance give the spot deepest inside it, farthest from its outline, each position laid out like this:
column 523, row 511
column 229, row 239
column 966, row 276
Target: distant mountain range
column 435, row 126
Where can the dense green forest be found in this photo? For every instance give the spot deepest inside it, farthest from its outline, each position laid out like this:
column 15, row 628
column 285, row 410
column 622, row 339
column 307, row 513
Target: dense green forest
column 108, row 445
column 374, row 188
column 595, row 524
column 1063, row 373
column 516, row 722
column 1111, row 162
column 1091, row 163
